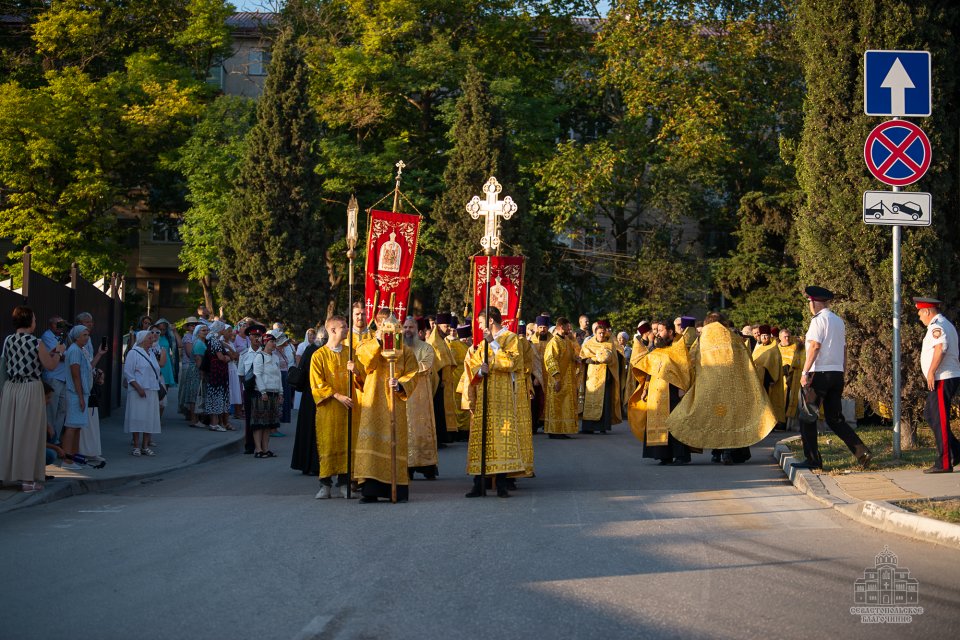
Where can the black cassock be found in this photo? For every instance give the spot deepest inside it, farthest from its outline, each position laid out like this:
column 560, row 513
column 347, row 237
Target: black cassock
column 305, row 457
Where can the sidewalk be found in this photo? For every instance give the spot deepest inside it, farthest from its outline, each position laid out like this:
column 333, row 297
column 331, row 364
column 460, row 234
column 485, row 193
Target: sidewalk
column 866, row 496
column 178, row 446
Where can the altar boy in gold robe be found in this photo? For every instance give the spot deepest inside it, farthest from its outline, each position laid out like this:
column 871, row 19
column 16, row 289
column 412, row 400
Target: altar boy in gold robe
column 560, row 382
column 504, row 363
column 330, row 369
column 374, row 458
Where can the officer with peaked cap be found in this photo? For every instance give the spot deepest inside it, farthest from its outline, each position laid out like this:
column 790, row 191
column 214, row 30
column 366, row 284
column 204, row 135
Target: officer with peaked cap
column 822, row 377
column 941, row 368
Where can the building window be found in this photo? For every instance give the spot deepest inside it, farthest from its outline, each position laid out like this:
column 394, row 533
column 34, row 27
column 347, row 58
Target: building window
column 215, row 74
column 166, row 229
column 257, row 62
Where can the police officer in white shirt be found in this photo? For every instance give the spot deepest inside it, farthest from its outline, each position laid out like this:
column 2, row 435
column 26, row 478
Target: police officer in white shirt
column 823, row 372
column 941, row 368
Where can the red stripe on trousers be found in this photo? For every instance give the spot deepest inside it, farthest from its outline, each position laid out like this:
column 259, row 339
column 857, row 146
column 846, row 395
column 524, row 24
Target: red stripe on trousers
column 944, row 426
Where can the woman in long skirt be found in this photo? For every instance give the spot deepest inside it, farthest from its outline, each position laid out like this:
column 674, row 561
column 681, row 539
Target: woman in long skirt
column 189, row 376
column 268, row 397
column 142, row 373
column 23, row 415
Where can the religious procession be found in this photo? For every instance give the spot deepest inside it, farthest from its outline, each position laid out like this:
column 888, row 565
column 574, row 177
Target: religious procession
column 391, row 390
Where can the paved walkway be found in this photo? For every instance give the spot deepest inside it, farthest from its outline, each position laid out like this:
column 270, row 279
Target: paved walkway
column 869, row 496
column 178, row 446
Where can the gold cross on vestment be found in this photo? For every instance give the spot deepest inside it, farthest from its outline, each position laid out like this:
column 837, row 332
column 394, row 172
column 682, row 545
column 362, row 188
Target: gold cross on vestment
column 492, row 210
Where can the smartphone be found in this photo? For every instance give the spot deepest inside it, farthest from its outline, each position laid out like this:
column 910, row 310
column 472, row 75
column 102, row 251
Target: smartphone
column 103, row 342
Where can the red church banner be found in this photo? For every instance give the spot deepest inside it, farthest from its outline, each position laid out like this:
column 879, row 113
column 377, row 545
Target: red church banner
column 506, row 290
column 391, row 249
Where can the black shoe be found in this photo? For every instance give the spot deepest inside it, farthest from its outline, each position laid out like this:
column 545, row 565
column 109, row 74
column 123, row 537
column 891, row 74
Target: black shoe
column 664, row 463
column 510, row 484
column 805, row 465
column 502, row 492
column 938, row 470
column 679, row 463
column 368, row 500
column 715, row 458
column 726, row 458
column 473, row 493
column 865, row 458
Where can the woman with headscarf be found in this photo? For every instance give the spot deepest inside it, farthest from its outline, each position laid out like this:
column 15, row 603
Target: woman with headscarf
column 309, row 338
column 144, row 323
column 23, row 417
column 168, row 343
column 216, row 391
column 189, row 379
column 144, row 379
column 79, row 384
column 233, row 379
column 198, row 352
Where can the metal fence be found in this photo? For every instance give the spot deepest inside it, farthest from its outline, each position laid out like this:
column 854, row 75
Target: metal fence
column 48, row 298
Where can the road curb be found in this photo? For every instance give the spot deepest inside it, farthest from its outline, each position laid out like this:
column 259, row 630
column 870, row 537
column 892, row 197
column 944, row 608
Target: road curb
column 80, row 486
column 876, row 513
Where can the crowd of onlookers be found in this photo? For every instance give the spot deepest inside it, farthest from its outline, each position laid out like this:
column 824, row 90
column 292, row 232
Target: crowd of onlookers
column 50, row 386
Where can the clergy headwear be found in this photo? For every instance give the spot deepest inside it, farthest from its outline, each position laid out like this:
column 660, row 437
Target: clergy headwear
column 687, row 321
column 444, row 318
column 464, row 331
column 603, row 323
column 644, row 327
column 927, row 303
column 819, row 294
column 422, row 323
column 543, row 321
column 765, row 330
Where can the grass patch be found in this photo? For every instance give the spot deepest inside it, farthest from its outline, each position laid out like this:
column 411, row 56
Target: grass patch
column 947, row 509
column 837, row 458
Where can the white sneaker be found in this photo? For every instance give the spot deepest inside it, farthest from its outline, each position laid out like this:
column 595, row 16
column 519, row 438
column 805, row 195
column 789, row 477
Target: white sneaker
column 323, row 494
column 342, row 491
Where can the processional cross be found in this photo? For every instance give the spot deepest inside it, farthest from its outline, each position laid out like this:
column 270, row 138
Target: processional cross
column 492, row 209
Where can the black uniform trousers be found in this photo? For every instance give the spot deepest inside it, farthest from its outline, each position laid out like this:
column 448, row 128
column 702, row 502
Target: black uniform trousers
column 937, row 413
column 828, row 386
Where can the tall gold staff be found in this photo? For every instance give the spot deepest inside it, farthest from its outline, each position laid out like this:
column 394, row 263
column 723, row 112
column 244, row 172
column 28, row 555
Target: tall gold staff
column 492, row 209
column 353, row 235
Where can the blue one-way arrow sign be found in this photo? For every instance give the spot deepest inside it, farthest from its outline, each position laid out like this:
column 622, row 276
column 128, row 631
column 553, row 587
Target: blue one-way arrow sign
column 897, row 83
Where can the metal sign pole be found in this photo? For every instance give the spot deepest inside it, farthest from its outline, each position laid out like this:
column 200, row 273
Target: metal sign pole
column 896, row 338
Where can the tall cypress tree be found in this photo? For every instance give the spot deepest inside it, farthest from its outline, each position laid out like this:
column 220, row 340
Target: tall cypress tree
column 836, row 249
column 273, row 258
column 477, row 154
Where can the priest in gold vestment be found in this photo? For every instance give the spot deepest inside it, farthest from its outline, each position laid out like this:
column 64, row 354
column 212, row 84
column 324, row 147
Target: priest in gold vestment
column 460, row 343
column 663, row 375
column 374, row 458
column 769, row 364
column 504, row 363
column 560, row 366
column 793, row 357
column 601, row 403
column 445, row 366
column 726, row 408
column 524, row 387
column 421, row 429
column 334, row 398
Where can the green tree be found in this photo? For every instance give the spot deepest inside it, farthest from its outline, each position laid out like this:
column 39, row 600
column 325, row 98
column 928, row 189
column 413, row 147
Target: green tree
column 210, row 162
column 478, row 147
column 836, row 249
column 273, row 262
column 74, row 149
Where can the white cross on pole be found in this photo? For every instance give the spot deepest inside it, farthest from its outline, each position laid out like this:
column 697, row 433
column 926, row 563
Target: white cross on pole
column 400, row 309
column 492, row 210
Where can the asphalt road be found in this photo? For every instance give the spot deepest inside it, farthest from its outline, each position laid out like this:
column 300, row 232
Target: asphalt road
column 602, row 544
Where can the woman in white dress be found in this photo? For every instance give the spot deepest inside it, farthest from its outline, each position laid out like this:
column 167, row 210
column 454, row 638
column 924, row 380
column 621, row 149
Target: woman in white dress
column 142, row 373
